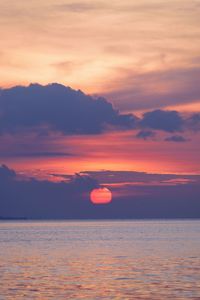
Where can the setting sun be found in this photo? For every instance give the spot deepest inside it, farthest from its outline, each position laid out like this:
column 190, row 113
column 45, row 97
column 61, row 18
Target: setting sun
column 101, row 196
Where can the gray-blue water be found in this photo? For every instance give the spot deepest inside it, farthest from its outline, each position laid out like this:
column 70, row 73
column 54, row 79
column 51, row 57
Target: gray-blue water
column 100, row 260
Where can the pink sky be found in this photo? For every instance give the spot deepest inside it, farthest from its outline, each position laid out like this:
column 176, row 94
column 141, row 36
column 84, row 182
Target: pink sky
column 141, row 56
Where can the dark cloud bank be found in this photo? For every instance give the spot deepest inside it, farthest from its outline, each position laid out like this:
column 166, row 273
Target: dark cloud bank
column 54, row 107
column 159, row 196
column 57, row 108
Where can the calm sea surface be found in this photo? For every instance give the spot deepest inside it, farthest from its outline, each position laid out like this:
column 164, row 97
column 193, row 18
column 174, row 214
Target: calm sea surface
column 100, row 260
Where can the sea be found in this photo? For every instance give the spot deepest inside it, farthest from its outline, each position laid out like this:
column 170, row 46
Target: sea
column 104, row 259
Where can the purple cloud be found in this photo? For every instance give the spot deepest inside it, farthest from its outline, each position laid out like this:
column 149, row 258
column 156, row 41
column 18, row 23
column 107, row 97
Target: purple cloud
column 176, row 139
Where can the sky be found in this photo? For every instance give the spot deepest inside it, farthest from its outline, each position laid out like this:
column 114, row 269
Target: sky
column 94, row 91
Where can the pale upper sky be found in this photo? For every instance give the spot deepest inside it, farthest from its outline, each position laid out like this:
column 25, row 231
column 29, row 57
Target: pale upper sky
column 139, row 54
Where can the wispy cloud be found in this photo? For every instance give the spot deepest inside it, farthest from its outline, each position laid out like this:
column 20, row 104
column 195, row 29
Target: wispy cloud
column 156, row 89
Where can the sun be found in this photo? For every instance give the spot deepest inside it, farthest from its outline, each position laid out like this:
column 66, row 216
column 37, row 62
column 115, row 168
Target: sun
column 101, row 196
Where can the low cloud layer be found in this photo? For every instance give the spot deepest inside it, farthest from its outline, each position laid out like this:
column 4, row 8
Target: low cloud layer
column 135, row 195
column 32, row 198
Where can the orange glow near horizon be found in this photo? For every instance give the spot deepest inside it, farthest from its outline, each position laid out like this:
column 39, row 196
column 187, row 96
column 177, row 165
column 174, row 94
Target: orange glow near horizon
column 112, row 151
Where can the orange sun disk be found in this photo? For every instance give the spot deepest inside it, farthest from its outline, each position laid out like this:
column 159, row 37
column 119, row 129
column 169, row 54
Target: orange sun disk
column 101, row 196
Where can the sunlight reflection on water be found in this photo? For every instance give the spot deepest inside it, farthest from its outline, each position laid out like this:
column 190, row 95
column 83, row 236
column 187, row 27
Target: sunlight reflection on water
column 100, row 260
